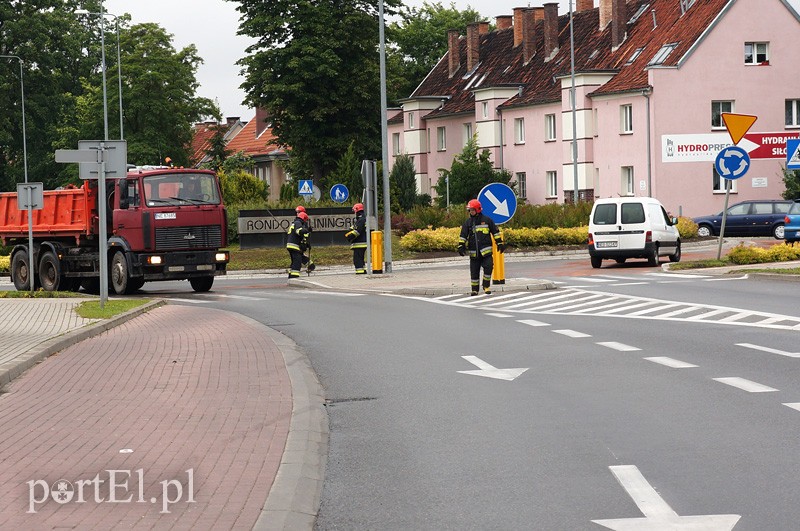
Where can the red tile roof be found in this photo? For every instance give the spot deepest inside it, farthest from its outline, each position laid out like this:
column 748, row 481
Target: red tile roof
column 253, row 146
column 201, row 140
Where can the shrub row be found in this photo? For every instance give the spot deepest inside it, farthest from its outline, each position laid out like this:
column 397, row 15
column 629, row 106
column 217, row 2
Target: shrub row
column 5, row 264
column 781, row 252
column 446, row 238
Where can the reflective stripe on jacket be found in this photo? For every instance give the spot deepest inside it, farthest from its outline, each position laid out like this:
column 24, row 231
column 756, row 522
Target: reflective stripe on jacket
column 357, row 235
column 477, row 233
column 297, row 236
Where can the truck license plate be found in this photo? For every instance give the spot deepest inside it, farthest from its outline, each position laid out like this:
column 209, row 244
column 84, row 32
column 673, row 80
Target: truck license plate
column 600, row 245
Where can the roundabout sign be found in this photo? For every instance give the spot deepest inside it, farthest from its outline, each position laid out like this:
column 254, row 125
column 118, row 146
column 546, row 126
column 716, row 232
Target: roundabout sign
column 732, row 162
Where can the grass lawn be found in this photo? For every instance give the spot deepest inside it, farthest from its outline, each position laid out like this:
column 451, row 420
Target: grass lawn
column 92, row 310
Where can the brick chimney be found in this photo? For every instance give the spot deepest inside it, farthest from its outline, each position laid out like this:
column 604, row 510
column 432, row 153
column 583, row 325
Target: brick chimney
column 473, row 45
column 262, row 119
column 503, row 22
column 538, row 13
column 550, row 29
column 528, row 35
column 584, row 5
column 619, row 19
column 484, row 27
column 605, row 13
column 518, row 11
column 453, row 59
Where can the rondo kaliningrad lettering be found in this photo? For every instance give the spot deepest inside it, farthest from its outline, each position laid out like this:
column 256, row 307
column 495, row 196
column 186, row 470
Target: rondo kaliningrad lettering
column 271, row 225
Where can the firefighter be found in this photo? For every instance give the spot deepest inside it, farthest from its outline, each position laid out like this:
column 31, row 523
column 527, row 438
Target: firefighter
column 357, row 236
column 297, row 243
column 300, row 208
column 476, row 237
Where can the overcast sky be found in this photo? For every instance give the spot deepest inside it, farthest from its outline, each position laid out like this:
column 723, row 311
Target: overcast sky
column 211, row 26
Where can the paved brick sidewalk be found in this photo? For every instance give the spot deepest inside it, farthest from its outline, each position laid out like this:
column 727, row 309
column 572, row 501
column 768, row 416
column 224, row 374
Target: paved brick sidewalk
column 176, row 396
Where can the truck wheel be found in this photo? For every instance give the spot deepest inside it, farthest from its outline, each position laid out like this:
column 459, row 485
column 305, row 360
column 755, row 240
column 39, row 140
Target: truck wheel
column 49, row 272
column 201, row 284
column 21, row 271
column 119, row 273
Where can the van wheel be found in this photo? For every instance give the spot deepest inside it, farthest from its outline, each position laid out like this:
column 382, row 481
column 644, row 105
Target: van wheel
column 778, row 231
column 596, row 261
column 677, row 256
column 620, row 260
column 653, row 258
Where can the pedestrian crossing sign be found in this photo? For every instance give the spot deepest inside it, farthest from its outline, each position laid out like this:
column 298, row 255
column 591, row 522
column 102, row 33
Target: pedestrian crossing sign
column 793, row 154
column 306, row 188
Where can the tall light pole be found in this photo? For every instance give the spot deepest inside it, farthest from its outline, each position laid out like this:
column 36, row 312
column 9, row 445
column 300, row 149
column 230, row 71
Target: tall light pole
column 102, row 16
column 387, row 214
column 24, row 133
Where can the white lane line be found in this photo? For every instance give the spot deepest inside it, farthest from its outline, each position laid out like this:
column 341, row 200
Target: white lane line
column 501, row 297
column 702, row 316
column 625, row 308
column 657, row 308
column 190, row 301
column 531, row 322
column 583, row 302
column 593, row 279
column 669, row 362
column 736, row 317
column 793, row 405
column 673, row 275
column 596, row 309
column 745, row 385
column 619, row 277
column 530, row 299
column 770, row 350
column 445, row 297
column 687, row 309
column 618, row 346
column 492, row 314
column 743, row 277
column 334, row 293
column 571, row 333
column 237, row 297
column 631, row 283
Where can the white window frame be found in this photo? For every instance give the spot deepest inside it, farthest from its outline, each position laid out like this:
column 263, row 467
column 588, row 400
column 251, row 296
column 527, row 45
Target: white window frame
column 756, row 53
column 522, row 188
column 626, row 181
column 441, row 138
column 551, row 184
column 396, row 143
column 485, row 109
column 411, row 120
column 549, row 127
column 717, row 109
column 636, row 53
column 718, row 183
column 662, row 54
column 626, row 119
column 467, row 132
column 519, row 130
column 792, row 113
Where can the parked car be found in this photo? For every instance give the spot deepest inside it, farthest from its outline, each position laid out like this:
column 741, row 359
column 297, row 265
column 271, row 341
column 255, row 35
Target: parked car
column 632, row 227
column 748, row 218
column 791, row 229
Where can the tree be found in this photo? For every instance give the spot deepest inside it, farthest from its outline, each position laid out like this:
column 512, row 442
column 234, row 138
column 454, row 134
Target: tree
column 315, row 69
column 217, row 147
column 468, row 174
column 403, row 184
column 420, row 41
column 348, row 173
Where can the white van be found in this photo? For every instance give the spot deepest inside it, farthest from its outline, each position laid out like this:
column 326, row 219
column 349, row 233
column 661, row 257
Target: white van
column 632, row 227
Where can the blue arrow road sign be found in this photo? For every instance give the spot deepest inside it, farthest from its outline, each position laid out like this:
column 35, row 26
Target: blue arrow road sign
column 498, row 201
column 339, row 193
column 305, row 187
column 793, row 154
column 732, row 162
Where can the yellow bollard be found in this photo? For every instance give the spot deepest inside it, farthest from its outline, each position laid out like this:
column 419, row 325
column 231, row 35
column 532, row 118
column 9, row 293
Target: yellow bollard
column 377, row 251
column 499, row 267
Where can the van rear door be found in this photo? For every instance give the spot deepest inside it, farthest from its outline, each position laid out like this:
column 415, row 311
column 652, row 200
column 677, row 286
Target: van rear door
column 633, row 225
column 606, row 229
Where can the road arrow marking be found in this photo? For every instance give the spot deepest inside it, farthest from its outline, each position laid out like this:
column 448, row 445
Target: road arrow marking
column 500, row 207
column 770, row 350
column 489, row 371
column 658, row 515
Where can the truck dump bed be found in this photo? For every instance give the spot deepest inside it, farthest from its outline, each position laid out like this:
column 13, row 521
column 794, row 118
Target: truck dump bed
column 67, row 213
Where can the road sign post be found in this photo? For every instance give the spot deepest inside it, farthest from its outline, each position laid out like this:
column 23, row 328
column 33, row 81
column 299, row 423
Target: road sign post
column 33, row 194
column 498, row 202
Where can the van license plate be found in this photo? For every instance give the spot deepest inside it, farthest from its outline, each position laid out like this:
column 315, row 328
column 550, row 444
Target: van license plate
column 600, row 245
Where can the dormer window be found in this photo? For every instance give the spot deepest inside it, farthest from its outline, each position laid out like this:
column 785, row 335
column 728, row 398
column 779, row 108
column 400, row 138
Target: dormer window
column 636, row 53
column 639, row 13
column 662, row 54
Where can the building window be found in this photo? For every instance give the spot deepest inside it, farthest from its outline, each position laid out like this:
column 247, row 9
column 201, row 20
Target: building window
column 521, row 185
column 627, row 181
column 519, row 130
column 549, row 127
column 551, row 183
column 411, row 120
column 637, row 52
column 485, row 109
column 626, row 118
column 441, row 138
column 595, row 122
column 662, row 54
column 756, row 53
column 719, row 184
column 467, row 133
column 792, row 113
column 396, row 143
column 717, row 108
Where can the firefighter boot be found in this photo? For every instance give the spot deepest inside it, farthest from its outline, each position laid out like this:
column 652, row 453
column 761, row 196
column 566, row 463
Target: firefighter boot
column 486, row 288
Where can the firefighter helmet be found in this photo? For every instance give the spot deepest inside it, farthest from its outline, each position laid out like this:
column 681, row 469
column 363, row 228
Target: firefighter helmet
column 300, row 208
column 474, row 203
column 303, row 216
column 358, row 207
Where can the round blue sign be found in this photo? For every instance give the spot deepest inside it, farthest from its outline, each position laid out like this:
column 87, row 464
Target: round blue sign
column 498, row 202
column 732, row 162
column 339, row 193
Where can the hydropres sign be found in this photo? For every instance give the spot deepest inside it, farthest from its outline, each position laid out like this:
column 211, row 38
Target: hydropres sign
column 706, row 147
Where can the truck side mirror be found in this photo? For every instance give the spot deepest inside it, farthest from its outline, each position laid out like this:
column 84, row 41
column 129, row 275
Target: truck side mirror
column 123, row 194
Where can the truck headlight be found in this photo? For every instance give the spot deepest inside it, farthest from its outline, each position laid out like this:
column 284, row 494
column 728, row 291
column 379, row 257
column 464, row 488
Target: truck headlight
column 221, row 257
column 154, row 260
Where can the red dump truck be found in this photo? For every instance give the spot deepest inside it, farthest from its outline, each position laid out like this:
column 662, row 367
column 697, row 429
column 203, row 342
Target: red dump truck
column 163, row 224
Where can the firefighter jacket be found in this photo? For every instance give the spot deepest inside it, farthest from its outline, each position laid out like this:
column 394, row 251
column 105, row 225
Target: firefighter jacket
column 477, row 233
column 357, row 235
column 297, row 236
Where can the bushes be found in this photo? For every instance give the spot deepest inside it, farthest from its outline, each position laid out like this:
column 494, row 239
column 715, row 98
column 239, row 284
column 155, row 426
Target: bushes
column 686, row 228
column 742, row 255
column 446, row 238
column 5, row 264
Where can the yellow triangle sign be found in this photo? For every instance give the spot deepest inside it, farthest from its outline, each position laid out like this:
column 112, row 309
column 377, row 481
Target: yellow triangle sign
column 738, row 125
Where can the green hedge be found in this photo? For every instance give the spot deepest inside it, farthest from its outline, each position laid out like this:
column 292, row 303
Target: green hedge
column 781, row 252
column 5, row 264
column 446, row 238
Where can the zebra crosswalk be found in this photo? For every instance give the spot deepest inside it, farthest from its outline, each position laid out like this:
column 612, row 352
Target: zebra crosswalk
column 637, row 280
column 583, row 302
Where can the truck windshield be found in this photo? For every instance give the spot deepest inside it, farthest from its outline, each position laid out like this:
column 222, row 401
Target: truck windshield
column 181, row 189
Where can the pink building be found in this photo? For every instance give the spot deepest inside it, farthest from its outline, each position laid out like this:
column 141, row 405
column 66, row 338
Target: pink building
column 651, row 80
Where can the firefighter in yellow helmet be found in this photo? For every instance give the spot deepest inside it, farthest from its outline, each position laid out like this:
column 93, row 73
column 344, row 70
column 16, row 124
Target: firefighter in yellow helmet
column 476, row 238
column 357, row 236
